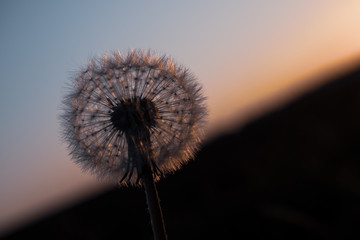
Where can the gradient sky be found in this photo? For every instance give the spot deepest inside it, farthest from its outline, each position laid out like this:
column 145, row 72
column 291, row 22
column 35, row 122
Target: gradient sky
column 245, row 53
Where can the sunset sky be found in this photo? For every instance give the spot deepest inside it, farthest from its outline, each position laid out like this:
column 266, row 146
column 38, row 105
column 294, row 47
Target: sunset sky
column 248, row 55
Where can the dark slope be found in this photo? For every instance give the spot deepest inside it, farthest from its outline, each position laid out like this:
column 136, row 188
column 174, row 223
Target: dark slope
column 292, row 174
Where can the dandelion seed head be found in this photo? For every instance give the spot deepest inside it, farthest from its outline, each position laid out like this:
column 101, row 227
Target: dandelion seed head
column 140, row 103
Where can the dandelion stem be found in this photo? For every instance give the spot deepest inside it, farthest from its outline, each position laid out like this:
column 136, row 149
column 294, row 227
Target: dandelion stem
column 139, row 145
column 153, row 202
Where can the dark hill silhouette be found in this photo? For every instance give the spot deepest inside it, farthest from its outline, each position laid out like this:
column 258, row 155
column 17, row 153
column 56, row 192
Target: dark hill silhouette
column 291, row 174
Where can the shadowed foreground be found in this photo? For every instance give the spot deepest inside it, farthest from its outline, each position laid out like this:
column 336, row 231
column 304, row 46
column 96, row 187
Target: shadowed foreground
column 292, row 174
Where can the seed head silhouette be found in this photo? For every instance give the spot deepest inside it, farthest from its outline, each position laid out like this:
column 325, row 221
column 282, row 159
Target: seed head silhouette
column 126, row 114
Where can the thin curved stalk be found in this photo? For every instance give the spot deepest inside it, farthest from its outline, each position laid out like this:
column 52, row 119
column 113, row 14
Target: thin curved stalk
column 153, row 203
column 140, row 149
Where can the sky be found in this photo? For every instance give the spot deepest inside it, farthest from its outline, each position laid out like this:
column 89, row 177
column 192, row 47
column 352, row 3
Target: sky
column 248, row 55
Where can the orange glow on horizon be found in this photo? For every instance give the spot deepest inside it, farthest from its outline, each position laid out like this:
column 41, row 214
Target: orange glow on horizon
column 279, row 89
column 286, row 66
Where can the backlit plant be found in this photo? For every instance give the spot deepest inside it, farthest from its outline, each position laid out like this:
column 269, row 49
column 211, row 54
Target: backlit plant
column 133, row 119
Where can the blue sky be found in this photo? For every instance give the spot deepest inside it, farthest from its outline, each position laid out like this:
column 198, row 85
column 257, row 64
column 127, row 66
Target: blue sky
column 245, row 53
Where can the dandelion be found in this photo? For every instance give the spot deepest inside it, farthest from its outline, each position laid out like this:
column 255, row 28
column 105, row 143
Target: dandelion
column 133, row 119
